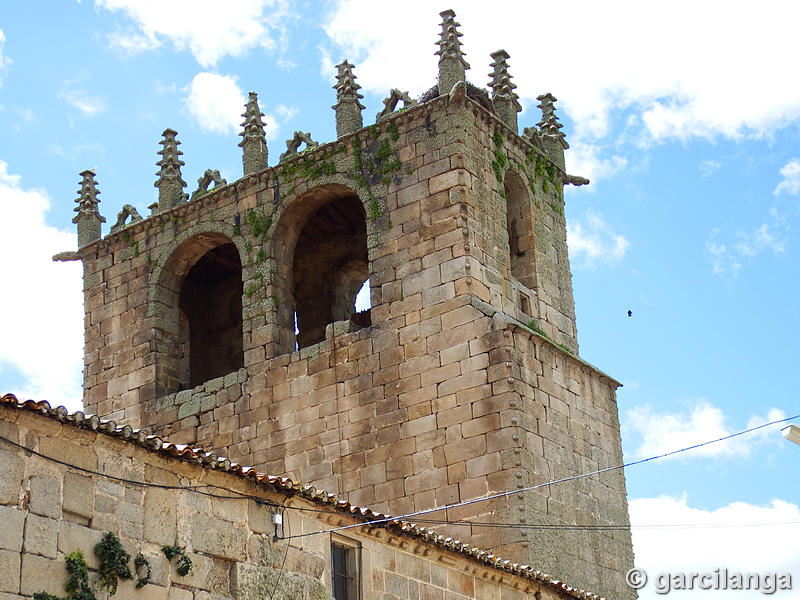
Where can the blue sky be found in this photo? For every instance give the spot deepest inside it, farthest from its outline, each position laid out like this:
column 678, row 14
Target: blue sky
column 685, row 117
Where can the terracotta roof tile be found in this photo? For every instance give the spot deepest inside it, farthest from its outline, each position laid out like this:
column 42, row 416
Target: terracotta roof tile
column 285, row 485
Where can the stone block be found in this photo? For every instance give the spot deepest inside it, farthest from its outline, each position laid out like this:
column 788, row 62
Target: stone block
column 78, row 494
column 79, row 454
column 41, row 536
column 11, row 467
column 190, row 407
column 131, row 513
column 39, row 574
column 45, row 496
column 447, row 180
column 72, row 537
column 418, row 426
column 127, row 591
column 234, row 511
column 198, row 576
column 175, row 593
column 219, row 538
column 422, row 280
column 463, row 382
column 9, row 571
column 160, row 525
column 11, row 527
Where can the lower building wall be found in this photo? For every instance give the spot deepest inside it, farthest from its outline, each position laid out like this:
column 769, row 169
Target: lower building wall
column 223, row 522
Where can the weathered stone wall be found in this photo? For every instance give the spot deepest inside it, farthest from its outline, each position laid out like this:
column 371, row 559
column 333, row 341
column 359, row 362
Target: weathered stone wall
column 49, row 510
column 434, row 403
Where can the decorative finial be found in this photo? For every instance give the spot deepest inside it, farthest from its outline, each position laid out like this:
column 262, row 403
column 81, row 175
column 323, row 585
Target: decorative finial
column 390, row 103
column 552, row 138
column 254, row 142
column 169, row 183
column 504, row 99
column 348, row 106
column 88, row 218
column 452, row 66
column 293, row 145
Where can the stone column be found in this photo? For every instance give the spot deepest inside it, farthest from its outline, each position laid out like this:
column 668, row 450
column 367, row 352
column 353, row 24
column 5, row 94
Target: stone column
column 254, row 140
column 88, row 218
column 452, row 66
column 504, row 99
column 553, row 140
column 348, row 107
column 169, row 183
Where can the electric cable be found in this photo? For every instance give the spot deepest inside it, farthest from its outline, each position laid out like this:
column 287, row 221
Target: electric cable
column 261, row 501
column 529, row 488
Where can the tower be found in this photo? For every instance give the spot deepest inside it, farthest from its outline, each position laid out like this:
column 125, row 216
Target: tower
column 228, row 322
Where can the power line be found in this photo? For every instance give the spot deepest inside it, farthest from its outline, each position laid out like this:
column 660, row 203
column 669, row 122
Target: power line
column 610, row 527
column 549, row 483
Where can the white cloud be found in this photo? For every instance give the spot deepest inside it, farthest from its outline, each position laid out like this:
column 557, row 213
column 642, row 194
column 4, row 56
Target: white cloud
column 751, row 244
column 727, row 258
column 204, row 27
column 790, row 184
column 133, row 43
column 42, row 312
column 217, row 102
column 669, row 536
column 287, row 112
column 592, row 240
column 723, row 260
column 708, row 167
column 584, row 159
column 83, row 101
column 702, row 86
column 660, row 433
column 4, row 60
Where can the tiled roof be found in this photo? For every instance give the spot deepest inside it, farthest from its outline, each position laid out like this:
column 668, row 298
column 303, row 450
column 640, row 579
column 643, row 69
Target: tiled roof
column 287, row 486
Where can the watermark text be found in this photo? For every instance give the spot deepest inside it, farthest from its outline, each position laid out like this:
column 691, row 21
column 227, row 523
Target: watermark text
column 718, row 579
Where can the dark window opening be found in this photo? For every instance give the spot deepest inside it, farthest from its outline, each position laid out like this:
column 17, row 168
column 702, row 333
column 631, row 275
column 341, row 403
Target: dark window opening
column 525, row 304
column 519, row 223
column 344, row 571
column 329, row 267
column 211, row 317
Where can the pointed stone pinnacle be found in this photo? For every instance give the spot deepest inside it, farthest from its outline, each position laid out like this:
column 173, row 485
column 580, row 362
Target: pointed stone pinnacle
column 88, row 218
column 254, row 139
column 449, row 44
column 253, row 125
column 346, row 86
column 547, row 104
column 169, row 183
column 504, row 98
column 452, row 66
column 348, row 106
column 553, row 140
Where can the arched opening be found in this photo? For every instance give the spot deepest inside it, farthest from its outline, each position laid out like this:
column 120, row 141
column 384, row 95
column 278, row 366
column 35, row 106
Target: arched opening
column 329, row 264
column 211, row 299
column 198, row 309
column 519, row 223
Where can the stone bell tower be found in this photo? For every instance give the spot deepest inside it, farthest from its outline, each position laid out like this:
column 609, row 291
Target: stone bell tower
column 227, row 320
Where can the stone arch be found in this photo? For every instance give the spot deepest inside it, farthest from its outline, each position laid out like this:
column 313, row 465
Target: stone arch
column 321, row 254
column 196, row 301
column 519, row 225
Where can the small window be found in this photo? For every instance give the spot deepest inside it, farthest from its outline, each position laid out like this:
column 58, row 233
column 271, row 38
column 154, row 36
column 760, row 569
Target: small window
column 525, row 304
column 344, row 571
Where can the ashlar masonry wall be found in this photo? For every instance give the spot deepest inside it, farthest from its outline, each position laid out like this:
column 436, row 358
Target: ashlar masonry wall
column 223, row 522
column 463, row 381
